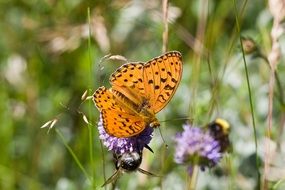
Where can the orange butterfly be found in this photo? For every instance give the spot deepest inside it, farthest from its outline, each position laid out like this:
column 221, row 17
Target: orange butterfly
column 139, row 91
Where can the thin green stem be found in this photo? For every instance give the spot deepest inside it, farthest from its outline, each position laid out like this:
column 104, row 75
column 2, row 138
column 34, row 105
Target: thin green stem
column 193, row 178
column 72, row 154
column 103, row 158
column 278, row 183
column 90, row 127
column 231, row 171
column 200, row 36
column 91, row 153
column 250, row 95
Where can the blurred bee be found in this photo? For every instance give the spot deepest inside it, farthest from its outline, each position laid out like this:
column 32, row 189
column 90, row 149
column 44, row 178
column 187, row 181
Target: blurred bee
column 125, row 163
column 220, row 129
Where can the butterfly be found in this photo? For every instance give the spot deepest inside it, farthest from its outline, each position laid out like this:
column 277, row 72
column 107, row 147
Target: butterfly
column 139, row 91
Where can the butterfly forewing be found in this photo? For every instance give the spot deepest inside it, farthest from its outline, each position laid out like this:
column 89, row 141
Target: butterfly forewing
column 169, row 68
column 128, row 79
column 103, row 99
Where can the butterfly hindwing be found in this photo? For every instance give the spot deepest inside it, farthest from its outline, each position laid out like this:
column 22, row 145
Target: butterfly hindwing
column 121, row 124
column 117, row 121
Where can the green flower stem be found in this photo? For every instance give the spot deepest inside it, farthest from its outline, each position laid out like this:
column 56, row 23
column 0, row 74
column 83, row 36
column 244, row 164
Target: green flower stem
column 249, row 93
column 192, row 182
column 72, row 154
column 90, row 127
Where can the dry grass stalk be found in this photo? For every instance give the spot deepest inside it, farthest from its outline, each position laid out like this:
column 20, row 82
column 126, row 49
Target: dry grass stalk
column 165, row 21
column 277, row 9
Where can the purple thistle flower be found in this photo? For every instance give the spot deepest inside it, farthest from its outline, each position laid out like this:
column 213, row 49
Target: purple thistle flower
column 196, row 147
column 122, row 145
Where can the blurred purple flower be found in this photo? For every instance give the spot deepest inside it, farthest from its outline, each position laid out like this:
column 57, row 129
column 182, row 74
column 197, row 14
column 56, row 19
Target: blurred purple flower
column 122, row 145
column 196, row 147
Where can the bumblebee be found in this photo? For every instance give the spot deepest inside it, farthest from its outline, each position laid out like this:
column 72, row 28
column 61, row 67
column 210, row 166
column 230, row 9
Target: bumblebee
column 125, row 163
column 219, row 130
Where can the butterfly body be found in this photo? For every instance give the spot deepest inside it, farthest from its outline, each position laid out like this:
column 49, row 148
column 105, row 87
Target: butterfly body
column 136, row 106
column 138, row 92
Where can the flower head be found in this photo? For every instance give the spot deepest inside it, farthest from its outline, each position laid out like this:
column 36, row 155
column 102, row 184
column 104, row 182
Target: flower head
column 196, row 147
column 249, row 45
column 122, row 145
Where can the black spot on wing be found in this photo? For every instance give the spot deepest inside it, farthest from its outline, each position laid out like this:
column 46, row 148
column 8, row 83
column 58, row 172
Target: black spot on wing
column 173, row 80
column 161, row 98
column 168, row 87
column 169, row 73
column 163, row 80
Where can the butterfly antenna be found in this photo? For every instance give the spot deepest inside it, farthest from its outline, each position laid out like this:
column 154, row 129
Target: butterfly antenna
column 166, row 145
column 178, row 119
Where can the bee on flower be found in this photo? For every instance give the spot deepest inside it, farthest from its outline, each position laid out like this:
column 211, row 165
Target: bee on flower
column 202, row 146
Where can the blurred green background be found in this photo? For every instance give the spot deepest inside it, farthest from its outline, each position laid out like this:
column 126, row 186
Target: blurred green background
column 50, row 53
